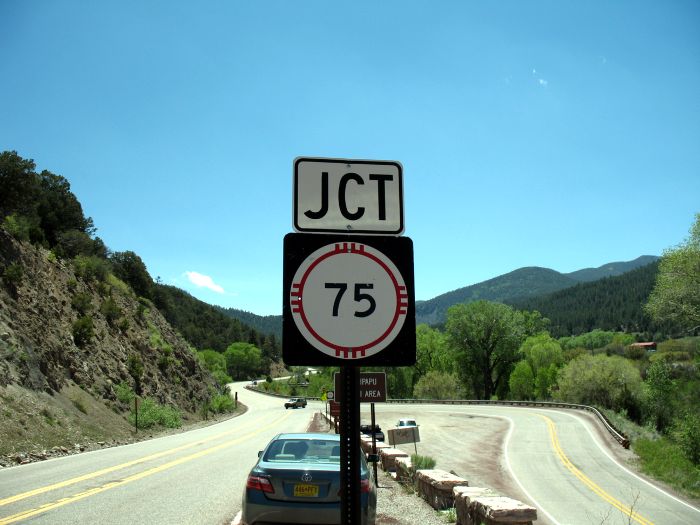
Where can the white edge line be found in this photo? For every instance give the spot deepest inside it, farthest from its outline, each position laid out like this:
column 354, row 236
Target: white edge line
column 602, row 449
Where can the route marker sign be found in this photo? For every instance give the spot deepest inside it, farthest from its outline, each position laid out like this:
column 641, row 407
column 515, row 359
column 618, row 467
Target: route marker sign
column 348, row 300
column 348, row 196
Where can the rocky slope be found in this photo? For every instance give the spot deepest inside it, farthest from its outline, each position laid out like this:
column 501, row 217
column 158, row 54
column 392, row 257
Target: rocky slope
column 42, row 365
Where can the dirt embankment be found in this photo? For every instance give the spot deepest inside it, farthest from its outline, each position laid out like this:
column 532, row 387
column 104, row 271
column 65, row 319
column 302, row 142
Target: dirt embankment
column 55, row 392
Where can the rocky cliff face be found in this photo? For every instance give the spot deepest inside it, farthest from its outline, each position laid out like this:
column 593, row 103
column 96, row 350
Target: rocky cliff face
column 38, row 349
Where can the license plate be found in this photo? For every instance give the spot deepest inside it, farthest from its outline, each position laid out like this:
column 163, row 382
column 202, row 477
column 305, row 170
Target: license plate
column 306, row 491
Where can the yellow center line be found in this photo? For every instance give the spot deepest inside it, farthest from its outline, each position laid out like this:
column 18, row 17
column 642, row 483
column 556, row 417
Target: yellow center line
column 628, row 511
column 140, row 475
column 91, row 475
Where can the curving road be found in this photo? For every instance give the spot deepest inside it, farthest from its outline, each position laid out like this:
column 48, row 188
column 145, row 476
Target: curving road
column 560, row 461
column 194, row 477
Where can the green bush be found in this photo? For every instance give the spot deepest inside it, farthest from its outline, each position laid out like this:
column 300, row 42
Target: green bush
column 18, row 226
column 124, row 324
column 124, row 393
column 12, row 275
column 664, row 460
column 83, row 331
column 419, row 462
column 221, row 403
column 91, row 267
column 82, row 303
column 110, row 310
column 151, row 414
column 687, row 434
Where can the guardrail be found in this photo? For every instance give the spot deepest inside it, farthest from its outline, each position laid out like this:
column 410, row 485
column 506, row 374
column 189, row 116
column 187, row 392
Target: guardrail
column 615, row 433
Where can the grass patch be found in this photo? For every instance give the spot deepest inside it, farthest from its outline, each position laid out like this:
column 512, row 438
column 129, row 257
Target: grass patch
column 419, row 462
column 153, row 414
column 77, row 403
column 664, row 460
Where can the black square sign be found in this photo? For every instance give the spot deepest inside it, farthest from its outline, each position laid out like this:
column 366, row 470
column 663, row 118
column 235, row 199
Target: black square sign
column 348, row 300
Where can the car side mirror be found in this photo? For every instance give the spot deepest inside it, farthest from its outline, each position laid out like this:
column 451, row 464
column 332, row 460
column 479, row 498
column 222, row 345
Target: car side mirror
column 260, row 453
column 373, row 458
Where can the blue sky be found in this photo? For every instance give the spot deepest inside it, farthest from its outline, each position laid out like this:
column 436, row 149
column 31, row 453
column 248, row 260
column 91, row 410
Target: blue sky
column 532, row 133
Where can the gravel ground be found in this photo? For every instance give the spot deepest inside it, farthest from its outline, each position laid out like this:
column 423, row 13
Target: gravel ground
column 396, row 504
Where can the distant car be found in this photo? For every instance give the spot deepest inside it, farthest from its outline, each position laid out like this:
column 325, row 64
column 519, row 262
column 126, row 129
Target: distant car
column 367, row 429
column 297, row 480
column 295, row 402
column 406, row 422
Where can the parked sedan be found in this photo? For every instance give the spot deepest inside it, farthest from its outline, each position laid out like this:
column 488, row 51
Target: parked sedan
column 297, row 480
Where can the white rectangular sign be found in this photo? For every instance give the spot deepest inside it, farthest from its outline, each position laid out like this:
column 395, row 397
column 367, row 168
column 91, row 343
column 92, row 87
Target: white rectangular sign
column 400, row 436
column 348, row 196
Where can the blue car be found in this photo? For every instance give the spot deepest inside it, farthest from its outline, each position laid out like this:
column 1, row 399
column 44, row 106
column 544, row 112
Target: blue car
column 297, row 480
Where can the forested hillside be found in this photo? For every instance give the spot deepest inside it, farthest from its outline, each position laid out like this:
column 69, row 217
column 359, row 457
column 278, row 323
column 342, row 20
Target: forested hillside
column 612, row 303
column 611, row 269
column 523, row 282
column 266, row 324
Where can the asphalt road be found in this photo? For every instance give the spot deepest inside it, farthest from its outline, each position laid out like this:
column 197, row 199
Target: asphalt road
column 560, row 461
column 194, row 477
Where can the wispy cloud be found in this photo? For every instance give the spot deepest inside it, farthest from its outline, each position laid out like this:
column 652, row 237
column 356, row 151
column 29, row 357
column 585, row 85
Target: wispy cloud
column 204, row 281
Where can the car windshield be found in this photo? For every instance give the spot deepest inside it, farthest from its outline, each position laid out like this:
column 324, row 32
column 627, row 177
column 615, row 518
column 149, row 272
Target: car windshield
column 306, row 450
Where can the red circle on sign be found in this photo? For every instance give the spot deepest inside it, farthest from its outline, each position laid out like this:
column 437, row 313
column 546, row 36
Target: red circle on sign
column 387, row 270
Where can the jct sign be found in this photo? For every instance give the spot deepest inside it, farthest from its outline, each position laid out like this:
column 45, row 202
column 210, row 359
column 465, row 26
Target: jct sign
column 348, row 300
column 348, row 196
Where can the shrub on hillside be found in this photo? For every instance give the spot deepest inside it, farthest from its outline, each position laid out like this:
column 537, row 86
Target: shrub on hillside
column 124, row 393
column 82, row 303
column 12, row 275
column 83, row 331
column 221, row 403
column 110, row 310
column 151, row 414
column 91, row 267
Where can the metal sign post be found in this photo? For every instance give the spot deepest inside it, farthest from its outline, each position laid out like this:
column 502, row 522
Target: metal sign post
column 350, row 446
column 374, row 444
column 348, row 298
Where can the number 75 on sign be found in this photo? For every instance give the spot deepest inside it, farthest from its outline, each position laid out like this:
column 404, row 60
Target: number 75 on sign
column 348, row 300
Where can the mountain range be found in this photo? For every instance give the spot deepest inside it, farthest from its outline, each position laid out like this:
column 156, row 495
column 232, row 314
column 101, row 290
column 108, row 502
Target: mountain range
column 513, row 287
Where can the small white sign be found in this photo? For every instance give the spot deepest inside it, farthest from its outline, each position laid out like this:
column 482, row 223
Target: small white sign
column 348, row 196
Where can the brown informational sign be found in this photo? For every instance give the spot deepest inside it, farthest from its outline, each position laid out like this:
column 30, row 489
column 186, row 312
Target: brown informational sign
column 400, row 436
column 372, row 387
column 335, row 408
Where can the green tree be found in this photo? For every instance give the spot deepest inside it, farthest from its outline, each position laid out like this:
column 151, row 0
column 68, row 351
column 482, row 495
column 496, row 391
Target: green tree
column 608, row 381
column 58, row 208
column 243, row 360
column 676, row 294
column 438, row 385
column 131, row 269
column 658, row 394
column 432, row 351
column 522, row 382
column 486, row 337
column 19, row 185
column 544, row 356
